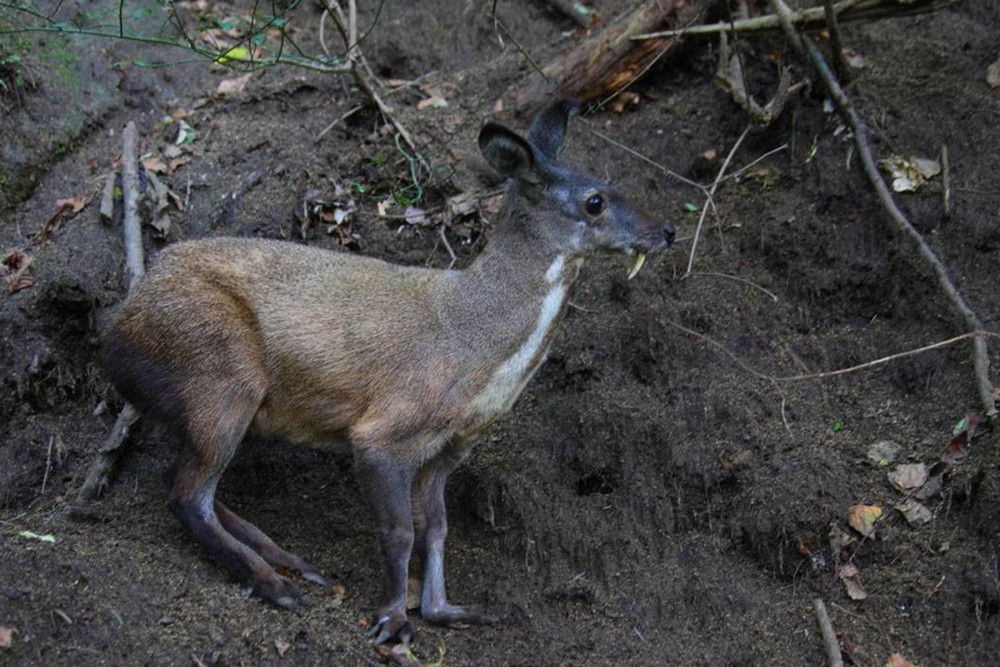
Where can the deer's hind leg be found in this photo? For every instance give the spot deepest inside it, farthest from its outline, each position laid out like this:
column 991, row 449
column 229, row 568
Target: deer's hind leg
column 256, row 539
column 214, row 431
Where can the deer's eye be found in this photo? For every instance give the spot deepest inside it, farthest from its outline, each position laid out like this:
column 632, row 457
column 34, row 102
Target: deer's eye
column 595, row 204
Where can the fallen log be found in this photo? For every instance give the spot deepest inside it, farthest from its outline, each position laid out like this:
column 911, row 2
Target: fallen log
column 608, row 60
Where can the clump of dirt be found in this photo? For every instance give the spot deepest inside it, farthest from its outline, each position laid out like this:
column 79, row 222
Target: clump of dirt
column 649, row 500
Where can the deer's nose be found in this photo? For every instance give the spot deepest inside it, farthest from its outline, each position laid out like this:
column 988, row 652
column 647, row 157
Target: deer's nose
column 668, row 232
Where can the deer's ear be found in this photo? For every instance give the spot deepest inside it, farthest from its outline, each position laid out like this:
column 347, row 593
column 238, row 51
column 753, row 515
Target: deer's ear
column 549, row 127
column 508, row 153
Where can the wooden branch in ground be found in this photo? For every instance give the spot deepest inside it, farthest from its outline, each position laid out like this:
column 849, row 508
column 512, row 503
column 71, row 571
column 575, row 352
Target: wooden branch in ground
column 113, row 446
column 829, row 636
column 130, row 196
column 814, row 18
column 364, row 77
column 607, row 60
column 980, row 356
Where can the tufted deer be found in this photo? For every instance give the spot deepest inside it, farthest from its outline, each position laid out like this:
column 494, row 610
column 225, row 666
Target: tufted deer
column 406, row 364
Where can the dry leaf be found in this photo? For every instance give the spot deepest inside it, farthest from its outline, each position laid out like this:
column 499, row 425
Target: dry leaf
column 281, row 647
column 862, row 518
column 883, row 453
column 494, row 204
column 908, row 476
column 915, row 513
column 401, row 654
column 383, row 207
column 155, row 164
column 993, row 74
column 72, row 206
column 434, row 98
column 108, row 196
column 235, row 86
column 6, row 637
column 177, row 163
column 414, row 215
column 854, row 59
column 463, row 204
column 18, row 262
column 852, row 583
column 627, row 100
column 414, row 590
column 908, row 174
column 897, row 660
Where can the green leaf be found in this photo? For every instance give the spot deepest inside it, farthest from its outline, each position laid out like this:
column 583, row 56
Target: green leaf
column 690, row 208
column 838, row 427
column 258, row 39
column 279, row 22
column 48, row 537
column 380, row 159
column 360, row 188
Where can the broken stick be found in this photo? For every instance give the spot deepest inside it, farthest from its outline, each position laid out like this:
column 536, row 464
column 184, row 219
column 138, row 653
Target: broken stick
column 113, row 446
column 814, row 18
column 980, row 353
column 829, row 636
column 607, row 60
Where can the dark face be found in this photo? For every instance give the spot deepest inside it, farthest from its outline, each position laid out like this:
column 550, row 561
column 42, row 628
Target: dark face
column 580, row 213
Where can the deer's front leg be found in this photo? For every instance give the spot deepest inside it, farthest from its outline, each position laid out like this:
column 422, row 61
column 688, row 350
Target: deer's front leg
column 432, row 529
column 388, row 487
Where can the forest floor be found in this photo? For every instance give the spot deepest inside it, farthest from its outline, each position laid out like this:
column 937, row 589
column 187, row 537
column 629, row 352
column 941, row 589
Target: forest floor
column 649, row 500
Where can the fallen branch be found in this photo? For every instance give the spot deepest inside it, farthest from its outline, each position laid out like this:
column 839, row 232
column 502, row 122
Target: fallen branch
column 711, row 193
column 980, row 357
column 363, row 76
column 814, row 18
column 829, row 636
column 607, row 60
column 113, row 446
column 810, row 52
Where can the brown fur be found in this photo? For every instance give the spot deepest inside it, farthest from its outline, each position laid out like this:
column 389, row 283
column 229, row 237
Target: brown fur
column 228, row 334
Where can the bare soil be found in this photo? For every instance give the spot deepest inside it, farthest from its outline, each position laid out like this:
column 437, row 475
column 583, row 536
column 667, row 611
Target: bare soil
column 648, row 500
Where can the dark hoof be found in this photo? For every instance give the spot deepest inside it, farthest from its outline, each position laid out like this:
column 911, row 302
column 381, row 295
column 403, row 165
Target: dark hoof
column 281, row 592
column 455, row 616
column 391, row 629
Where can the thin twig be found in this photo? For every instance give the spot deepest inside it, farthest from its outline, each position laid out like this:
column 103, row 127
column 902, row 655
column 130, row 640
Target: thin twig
column 711, row 193
column 945, row 181
column 447, row 246
column 827, row 374
column 670, row 44
column 773, row 296
column 363, row 75
column 113, row 446
column 636, row 154
column 829, row 636
column 338, row 120
column 48, row 464
column 836, row 43
column 741, row 170
column 849, row 11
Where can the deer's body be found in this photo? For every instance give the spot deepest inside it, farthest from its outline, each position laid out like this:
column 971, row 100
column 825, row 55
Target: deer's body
column 450, row 350
column 405, row 364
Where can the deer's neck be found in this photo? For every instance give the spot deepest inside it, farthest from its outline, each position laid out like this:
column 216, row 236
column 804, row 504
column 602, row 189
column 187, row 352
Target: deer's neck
column 508, row 305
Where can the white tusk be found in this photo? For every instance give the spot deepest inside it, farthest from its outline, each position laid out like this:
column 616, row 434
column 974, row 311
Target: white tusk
column 636, row 264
